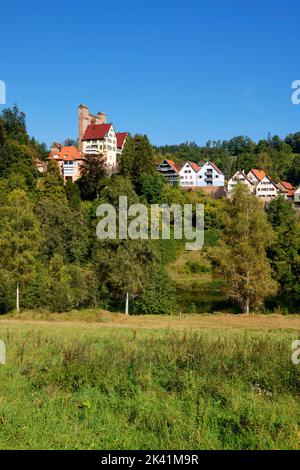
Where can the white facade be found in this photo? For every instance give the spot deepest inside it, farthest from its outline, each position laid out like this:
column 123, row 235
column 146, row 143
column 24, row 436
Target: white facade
column 267, row 189
column 239, row 177
column 107, row 146
column 209, row 175
column 297, row 196
column 188, row 175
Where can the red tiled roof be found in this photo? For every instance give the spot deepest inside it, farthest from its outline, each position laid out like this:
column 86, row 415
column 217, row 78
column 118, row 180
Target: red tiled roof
column 96, row 131
column 259, row 174
column 121, row 137
column 172, row 165
column 194, row 166
column 286, row 185
column 178, row 167
column 216, row 168
column 66, row 153
column 57, row 145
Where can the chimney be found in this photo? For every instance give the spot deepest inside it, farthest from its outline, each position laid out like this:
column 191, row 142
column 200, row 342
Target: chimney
column 102, row 117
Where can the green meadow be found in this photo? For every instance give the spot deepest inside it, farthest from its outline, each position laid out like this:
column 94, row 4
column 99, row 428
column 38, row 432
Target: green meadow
column 121, row 386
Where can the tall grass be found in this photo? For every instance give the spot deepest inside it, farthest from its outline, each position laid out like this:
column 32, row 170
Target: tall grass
column 119, row 389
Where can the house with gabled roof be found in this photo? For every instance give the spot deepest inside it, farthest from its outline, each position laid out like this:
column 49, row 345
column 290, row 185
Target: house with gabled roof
column 188, row 175
column 266, row 189
column 255, row 175
column 297, row 198
column 240, row 177
column 170, row 171
column 69, row 161
column 210, row 175
column 287, row 189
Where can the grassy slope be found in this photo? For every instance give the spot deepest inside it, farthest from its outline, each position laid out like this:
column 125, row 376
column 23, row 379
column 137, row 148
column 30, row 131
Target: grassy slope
column 150, row 382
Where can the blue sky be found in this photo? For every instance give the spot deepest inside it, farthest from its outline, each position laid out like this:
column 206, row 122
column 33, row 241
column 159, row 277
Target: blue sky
column 175, row 70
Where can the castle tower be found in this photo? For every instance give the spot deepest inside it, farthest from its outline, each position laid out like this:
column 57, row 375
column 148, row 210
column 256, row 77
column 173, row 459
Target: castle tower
column 85, row 118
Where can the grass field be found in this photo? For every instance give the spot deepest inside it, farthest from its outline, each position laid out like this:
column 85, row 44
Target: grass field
column 149, row 382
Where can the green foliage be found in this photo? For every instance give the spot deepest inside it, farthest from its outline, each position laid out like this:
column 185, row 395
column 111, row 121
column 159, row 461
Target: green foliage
column 124, row 388
column 14, row 125
column 151, row 187
column 241, row 258
column 285, row 251
column 93, row 171
column 73, row 194
column 158, row 296
column 123, row 266
column 65, row 230
column 195, row 267
column 52, row 185
column 137, row 158
column 20, row 238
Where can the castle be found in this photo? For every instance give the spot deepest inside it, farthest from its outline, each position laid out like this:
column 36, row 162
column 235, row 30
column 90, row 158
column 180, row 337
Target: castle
column 95, row 137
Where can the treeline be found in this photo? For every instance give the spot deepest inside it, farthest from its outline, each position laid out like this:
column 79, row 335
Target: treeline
column 51, row 255
column 279, row 158
column 49, row 249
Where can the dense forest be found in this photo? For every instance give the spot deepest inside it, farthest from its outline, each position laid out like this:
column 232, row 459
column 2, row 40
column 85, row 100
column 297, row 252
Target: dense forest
column 50, row 253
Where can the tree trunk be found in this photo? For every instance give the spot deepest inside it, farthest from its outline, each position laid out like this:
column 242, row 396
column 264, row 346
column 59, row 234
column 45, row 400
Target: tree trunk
column 127, row 304
column 247, row 308
column 18, row 299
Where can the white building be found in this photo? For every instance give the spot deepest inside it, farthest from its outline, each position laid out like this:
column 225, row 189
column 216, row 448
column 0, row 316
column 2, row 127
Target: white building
column 210, row 175
column 68, row 159
column 188, row 175
column 255, row 176
column 101, row 139
column 240, row 177
column 267, row 189
column 297, row 197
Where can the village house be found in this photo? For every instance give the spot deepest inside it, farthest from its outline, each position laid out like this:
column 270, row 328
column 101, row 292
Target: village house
column 287, row 190
column 267, row 189
column 170, row 171
column 69, row 160
column 261, row 184
column 297, row 197
column 239, row 177
column 188, row 175
column 209, row 175
column 255, row 175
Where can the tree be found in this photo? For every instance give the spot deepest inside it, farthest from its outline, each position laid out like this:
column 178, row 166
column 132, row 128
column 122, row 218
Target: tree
column 158, row 295
column 124, row 266
column 293, row 140
column 20, row 240
column 15, row 125
column 293, row 173
column 64, row 229
column 152, row 187
column 126, row 163
column 284, row 252
column 241, row 258
column 52, row 185
column 93, row 170
column 116, row 186
column 137, row 158
column 73, row 193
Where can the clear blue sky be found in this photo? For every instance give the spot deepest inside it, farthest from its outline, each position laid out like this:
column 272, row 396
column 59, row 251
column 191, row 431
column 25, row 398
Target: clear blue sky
column 175, row 70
